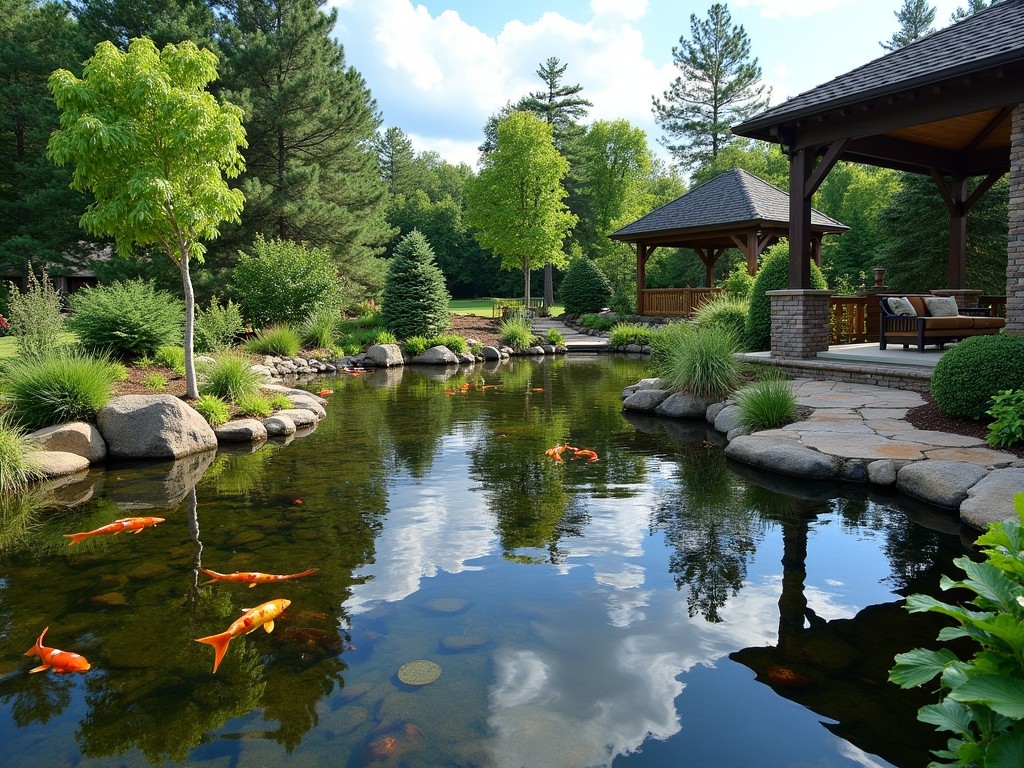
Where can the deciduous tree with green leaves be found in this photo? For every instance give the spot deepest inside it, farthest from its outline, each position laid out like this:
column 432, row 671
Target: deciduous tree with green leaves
column 515, row 204
column 153, row 146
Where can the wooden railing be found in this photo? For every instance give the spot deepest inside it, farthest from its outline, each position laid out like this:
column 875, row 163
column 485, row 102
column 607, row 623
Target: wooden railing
column 673, row 302
column 848, row 319
column 505, row 307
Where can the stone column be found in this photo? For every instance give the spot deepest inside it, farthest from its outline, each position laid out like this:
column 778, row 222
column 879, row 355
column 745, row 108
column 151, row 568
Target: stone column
column 800, row 323
column 1015, row 243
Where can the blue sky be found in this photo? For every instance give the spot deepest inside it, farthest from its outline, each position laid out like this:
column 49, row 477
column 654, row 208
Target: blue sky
column 439, row 68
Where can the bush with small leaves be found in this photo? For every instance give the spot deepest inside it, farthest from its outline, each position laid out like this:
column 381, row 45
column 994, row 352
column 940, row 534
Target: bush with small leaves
column 213, row 409
column 281, row 340
column 772, row 276
column 972, row 372
column 217, row 327
column 126, row 318
column 415, row 299
column 622, row 334
column 452, row 341
column 738, row 283
column 171, row 357
column 584, row 288
column 598, row 322
column 385, row 337
column 279, row 402
column 35, row 316
column 155, row 381
column 231, row 378
column 62, row 386
column 555, row 337
column 415, row 345
column 1007, row 412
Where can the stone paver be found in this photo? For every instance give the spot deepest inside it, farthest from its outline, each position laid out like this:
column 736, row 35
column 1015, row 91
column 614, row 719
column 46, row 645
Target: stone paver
column 574, row 340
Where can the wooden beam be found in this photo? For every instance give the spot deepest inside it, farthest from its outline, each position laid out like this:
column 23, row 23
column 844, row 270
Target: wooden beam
column 981, row 189
column 957, row 269
column 983, row 134
column 826, row 164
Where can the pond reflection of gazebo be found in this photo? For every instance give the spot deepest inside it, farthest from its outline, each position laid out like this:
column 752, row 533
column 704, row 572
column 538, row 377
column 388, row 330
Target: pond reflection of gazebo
column 734, row 210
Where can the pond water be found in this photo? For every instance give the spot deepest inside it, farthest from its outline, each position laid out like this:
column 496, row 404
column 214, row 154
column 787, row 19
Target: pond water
column 654, row 607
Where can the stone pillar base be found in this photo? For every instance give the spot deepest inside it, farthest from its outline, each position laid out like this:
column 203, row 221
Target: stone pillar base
column 800, row 321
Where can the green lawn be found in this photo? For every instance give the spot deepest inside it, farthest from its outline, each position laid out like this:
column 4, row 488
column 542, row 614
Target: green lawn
column 483, row 307
column 9, row 345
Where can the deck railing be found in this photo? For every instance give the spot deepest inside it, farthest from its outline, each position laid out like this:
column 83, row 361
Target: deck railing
column 673, row 302
column 848, row 320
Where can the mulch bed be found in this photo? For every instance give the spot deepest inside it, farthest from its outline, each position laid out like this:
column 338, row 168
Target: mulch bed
column 930, row 416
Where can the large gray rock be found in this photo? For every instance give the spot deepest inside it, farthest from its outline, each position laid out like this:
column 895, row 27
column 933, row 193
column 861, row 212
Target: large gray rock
column 278, row 425
column 490, row 353
column 882, row 472
column 60, row 463
column 943, row 483
column 294, row 392
column 76, row 437
column 786, row 457
column 153, row 427
column 300, row 417
column 642, row 384
column 309, row 404
column 438, row 355
column 645, row 400
column 385, row 355
column 728, row 419
column 683, row 405
column 241, row 431
column 991, row 498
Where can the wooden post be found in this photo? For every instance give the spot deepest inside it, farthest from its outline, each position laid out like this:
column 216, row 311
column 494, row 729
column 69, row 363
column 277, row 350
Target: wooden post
column 800, row 166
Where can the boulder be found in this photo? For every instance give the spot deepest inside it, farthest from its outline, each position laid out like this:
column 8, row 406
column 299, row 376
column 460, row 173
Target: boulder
column 153, row 427
column 991, row 498
column 645, row 400
column 278, row 425
column 786, row 457
column 942, row 483
column 262, row 370
column 241, row 431
column 60, row 463
column 882, row 472
column 307, row 403
column 294, row 392
column 683, row 405
column 439, row 355
column 728, row 419
column 300, row 417
column 491, row 353
column 385, row 355
column 76, row 437
column 713, row 410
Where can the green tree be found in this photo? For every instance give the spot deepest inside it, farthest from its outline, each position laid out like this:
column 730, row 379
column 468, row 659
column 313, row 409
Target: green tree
column 162, row 21
column 515, row 205
column 915, row 18
column 311, row 172
column 720, row 86
column 973, row 6
column 415, row 300
column 153, row 146
column 398, row 167
column 772, row 276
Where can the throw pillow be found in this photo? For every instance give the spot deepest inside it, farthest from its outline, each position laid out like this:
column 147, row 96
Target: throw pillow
column 941, row 306
column 901, row 306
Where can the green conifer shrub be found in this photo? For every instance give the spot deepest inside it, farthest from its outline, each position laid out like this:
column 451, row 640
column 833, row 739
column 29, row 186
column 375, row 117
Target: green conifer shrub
column 585, row 288
column 415, row 299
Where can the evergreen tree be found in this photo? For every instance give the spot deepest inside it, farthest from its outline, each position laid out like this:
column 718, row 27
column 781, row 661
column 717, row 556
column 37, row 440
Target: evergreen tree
column 415, row 300
column 397, row 162
column 720, row 85
column 915, row 18
column 162, row 21
column 973, row 6
column 311, row 172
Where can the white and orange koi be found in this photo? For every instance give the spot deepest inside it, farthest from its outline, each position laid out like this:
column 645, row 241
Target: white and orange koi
column 54, row 658
column 556, row 452
column 584, row 453
column 255, row 577
column 262, row 615
column 134, row 524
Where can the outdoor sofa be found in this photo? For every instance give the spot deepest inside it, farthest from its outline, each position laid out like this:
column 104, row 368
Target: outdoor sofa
column 935, row 320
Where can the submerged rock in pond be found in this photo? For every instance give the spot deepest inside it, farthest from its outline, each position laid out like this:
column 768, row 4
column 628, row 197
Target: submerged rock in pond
column 448, row 605
column 313, row 644
column 419, row 672
column 457, row 643
column 110, row 599
column 346, row 720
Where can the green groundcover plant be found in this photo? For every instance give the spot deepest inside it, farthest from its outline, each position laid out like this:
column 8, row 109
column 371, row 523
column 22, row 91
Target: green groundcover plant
column 982, row 701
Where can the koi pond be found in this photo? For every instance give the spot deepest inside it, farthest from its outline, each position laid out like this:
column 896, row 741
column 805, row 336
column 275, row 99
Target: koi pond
column 654, row 607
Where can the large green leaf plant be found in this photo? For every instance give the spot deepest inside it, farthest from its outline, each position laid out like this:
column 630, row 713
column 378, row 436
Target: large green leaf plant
column 983, row 698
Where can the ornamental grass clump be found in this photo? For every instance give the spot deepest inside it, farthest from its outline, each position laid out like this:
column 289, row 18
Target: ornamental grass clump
column 415, row 346
column 318, row 329
column 35, row 316
column 726, row 310
column 622, row 334
column 452, row 341
column 697, row 360
column 281, row 340
column 171, row 357
column 767, row 404
column 19, row 465
column 213, row 409
column 231, row 378
column 254, row 405
column 67, row 385
column 516, row 332
column 555, row 337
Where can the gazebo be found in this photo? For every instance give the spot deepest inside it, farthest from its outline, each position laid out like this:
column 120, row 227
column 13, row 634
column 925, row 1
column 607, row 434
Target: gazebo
column 950, row 105
column 734, row 210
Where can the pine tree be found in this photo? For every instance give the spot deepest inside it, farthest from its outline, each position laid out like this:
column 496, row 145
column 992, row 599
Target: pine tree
column 162, row 21
column 973, row 6
column 397, row 161
column 915, row 18
column 720, row 86
column 311, row 172
column 415, row 300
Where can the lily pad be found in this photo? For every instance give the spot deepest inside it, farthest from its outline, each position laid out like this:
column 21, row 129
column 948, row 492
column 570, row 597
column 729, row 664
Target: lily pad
column 419, row 672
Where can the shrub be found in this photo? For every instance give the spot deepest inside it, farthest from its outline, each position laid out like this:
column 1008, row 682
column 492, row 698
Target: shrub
column 584, row 287
column 598, row 322
column 981, row 697
column 126, row 319
column 318, row 329
column 415, row 299
column 213, row 409
column 279, row 402
column 772, row 276
column 35, row 317
column 230, row 378
column 516, row 333
column 768, row 404
column 1007, row 411
column 279, row 281
column 725, row 310
column 118, row 371
column 630, row 333
column 255, row 405
column 217, row 327
column 18, row 463
column 697, row 360
column 58, row 387
column 155, row 381
column 452, row 341
column 738, row 283
column 555, row 337
column 972, row 372
column 415, row 345
column 281, row 340
column 385, row 337
column 171, row 357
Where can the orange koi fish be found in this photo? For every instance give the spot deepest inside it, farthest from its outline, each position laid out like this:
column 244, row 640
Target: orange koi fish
column 584, row 453
column 57, row 660
column 537, row 389
column 488, row 386
column 134, row 524
column 261, row 616
column 325, row 392
column 556, row 452
column 254, row 577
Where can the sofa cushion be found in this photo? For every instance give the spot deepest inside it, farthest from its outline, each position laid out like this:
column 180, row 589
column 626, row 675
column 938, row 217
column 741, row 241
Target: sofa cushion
column 920, row 308
column 948, row 323
column 900, row 306
column 941, row 306
column 989, row 322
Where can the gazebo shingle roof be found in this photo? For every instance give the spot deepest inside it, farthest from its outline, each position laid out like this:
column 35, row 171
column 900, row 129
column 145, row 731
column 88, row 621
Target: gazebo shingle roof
column 736, row 197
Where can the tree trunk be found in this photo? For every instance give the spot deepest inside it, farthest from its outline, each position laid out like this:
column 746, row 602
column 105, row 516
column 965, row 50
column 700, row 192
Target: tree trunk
column 549, row 288
column 191, row 388
column 526, row 285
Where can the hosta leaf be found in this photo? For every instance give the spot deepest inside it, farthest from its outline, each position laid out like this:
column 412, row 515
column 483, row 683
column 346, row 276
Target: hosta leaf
column 1004, row 695
column 947, row 716
column 918, row 666
column 1006, row 628
column 988, row 582
column 1006, row 751
column 921, row 603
